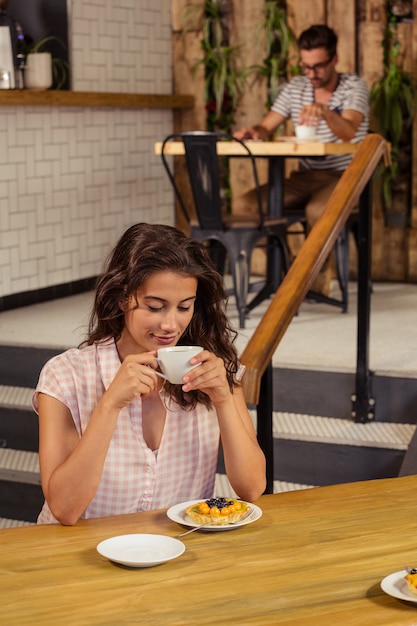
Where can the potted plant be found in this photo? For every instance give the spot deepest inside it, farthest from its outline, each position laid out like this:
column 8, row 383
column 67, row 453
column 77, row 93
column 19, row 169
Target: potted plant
column 42, row 70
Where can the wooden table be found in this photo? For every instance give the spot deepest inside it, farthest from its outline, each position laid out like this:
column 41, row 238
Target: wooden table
column 286, row 147
column 276, row 152
column 315, row 557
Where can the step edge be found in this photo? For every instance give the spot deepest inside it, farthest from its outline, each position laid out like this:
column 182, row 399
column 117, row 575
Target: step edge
column 19, row 466
column 341, row 442
column 18, row 398
column 6, row 522
column 303, row 427
column 408, row 374
column 20, row 476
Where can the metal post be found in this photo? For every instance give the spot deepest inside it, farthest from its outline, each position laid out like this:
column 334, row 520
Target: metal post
column 275, row 206
column 363, row 405
column 265, row 426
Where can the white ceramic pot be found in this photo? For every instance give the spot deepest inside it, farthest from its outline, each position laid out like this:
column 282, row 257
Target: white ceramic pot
column 38, row 70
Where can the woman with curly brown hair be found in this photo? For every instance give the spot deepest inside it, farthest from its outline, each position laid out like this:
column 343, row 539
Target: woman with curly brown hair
column 113, row 436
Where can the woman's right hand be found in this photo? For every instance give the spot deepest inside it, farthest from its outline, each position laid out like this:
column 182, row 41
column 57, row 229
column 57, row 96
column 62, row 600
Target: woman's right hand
column 136, row 376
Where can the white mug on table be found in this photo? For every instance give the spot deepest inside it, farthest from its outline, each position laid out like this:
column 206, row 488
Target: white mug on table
column 303, row 131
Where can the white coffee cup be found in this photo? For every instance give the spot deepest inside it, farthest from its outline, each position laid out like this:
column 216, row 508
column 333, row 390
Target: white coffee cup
column 302, row 131
column 175, row 362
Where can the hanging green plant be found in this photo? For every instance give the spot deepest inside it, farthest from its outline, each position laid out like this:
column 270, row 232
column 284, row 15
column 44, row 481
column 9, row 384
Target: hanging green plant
column 224, row 83
column 278, row 39
column 393, row 105
column 225, row 76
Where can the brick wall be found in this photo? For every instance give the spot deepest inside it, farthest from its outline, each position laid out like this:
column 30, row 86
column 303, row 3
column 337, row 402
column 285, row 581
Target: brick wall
column 71, row 180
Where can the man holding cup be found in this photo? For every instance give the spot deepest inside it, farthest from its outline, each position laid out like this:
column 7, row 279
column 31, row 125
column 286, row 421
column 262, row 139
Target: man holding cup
column 335, row 105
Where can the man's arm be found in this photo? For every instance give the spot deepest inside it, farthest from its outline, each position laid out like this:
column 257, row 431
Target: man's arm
column 263, row 130
column 344, row 125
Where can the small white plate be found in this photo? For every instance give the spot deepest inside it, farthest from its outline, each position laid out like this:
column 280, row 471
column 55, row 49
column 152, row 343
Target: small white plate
column 395, row 585
column 141, row 550
column 177, row 514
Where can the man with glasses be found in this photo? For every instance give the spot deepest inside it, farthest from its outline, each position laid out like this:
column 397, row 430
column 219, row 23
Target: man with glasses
column 337, row 105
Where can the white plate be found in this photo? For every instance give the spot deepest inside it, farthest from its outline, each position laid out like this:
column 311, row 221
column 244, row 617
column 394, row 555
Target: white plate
column 395, row 585
column 177, row 514
column 296, row 140
column 141, row 550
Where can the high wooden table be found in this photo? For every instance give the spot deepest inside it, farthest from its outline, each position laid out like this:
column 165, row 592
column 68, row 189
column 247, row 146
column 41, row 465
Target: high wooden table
column 315, row 557
column 276, row 152
column 286, row 146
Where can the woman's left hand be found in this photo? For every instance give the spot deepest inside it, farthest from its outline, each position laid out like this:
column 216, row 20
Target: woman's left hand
column 209, row 377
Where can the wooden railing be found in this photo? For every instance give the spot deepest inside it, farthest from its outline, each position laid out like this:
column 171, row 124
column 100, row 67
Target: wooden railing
column 318, row 245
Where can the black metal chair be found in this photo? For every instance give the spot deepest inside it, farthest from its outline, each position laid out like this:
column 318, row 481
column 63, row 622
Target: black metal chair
column 237, row 235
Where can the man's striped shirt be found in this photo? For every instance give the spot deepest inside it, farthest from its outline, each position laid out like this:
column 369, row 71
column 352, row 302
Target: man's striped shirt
column 351, row 93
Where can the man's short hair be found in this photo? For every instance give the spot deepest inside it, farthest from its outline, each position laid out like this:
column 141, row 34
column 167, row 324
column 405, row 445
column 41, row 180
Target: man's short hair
column 318, row 36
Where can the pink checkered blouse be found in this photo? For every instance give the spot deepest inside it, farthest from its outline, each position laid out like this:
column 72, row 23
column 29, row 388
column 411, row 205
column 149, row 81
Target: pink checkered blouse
column 134, row 477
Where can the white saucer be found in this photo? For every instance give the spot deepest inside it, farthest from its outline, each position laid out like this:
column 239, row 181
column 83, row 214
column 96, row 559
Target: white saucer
column 141, row 550
column 395, row 585
column 177, row 514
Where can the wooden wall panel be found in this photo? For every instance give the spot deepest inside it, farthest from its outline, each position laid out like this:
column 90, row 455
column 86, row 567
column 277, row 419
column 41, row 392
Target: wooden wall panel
column 244, row 32
column 303, row 14
column 370, row 28
column 186, row 51
column 341, row 16
column 405, row 36
column 370, row 38
column 412, row 255
column 178, row 8
column 252, row 106
column 395, row 260
column 412, row 239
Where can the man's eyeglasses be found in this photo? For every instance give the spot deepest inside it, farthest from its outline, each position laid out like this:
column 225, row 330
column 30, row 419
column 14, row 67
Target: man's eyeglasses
column 316, row 67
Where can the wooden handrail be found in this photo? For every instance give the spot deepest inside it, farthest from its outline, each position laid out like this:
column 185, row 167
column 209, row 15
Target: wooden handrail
column 308, row 262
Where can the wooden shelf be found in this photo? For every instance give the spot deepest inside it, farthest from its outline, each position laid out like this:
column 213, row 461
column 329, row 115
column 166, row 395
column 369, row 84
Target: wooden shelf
column 28, row 97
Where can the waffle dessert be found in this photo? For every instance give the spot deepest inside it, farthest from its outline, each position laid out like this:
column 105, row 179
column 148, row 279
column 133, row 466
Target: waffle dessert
column 219, row 511
column 411, row 579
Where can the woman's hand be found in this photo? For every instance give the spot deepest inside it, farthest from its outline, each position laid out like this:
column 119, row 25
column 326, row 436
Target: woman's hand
column 209, row 377
column 135, row 377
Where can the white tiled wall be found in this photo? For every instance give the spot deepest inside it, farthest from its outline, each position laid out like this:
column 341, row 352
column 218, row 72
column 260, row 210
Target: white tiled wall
column 72, row 180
